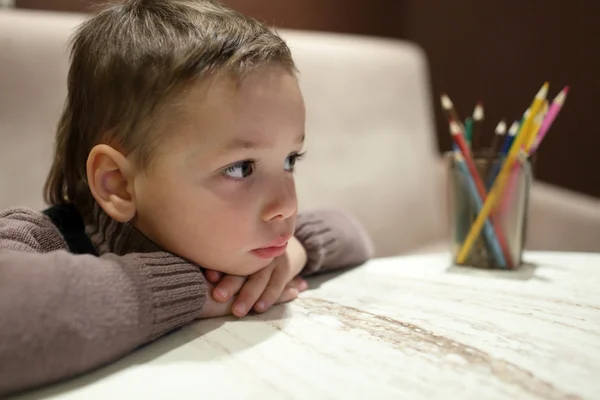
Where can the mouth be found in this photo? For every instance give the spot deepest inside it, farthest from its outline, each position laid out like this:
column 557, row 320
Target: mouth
column 269, row 252
column 274, row 249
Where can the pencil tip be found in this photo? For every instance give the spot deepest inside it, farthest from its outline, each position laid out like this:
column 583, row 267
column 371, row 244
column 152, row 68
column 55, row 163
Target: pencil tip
column 561, row 97
column 501, row 128
column 478, row 111
column 514, row 128
column 446, row 102
column 454, row 128
column 543, row 92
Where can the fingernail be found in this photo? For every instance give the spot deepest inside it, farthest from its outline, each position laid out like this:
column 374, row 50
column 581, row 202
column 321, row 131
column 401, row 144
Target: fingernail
column 260, row 305
column 223, row 293
column 241, row 307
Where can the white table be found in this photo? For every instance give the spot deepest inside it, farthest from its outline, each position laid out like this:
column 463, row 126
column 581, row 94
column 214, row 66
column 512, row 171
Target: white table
column 397, row 328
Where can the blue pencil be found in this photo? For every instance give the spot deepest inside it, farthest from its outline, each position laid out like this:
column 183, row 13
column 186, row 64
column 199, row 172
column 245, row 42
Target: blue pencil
column 488, row 230
column 508, row 141
column 512, row 132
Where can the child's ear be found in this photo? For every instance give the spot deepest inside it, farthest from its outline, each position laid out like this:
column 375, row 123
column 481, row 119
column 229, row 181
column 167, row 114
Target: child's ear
column 110, row 178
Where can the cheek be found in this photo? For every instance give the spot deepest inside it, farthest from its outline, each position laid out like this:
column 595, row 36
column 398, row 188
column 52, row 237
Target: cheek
column 220, row 234
column 230, row 208
column 212, row 225
column 207, row 222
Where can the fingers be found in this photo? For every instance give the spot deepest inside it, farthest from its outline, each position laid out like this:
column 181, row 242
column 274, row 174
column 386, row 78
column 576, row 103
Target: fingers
column 273, row 290
column 298, row 283
column 212, row 276
column 228, row 287
column 251, row 291
column 213, row 308
column 288, row 294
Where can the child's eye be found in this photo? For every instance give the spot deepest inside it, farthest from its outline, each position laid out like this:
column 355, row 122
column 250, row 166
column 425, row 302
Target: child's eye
column 240, row 170
column 291, row 160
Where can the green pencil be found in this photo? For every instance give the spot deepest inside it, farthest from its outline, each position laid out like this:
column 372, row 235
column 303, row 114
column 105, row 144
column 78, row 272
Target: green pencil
column 469, row 130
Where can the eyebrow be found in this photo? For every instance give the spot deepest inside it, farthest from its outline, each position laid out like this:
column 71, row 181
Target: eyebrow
column 237, row 144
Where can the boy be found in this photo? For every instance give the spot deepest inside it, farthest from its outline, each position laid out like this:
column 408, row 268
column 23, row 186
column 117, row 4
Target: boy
column 176, row 149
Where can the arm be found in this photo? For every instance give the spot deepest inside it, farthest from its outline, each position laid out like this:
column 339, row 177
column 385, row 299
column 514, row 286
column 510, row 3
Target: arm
column 63, row 314
column 332, row 239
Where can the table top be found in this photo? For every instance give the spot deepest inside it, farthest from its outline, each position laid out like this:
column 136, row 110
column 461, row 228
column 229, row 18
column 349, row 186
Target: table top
column 402, row 327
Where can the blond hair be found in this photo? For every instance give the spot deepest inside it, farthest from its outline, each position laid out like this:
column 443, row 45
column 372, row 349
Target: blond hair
column 129, row 60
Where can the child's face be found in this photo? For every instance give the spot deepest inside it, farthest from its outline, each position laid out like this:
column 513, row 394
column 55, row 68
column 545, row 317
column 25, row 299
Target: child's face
column 222, row 185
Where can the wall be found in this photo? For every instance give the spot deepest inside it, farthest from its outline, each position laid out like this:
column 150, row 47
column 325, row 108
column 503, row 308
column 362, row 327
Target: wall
column 502, row 51
column 497, row 51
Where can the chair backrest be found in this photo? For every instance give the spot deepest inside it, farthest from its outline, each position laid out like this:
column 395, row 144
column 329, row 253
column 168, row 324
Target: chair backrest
column 370, row 139
column 370, row 143
column 33, row 74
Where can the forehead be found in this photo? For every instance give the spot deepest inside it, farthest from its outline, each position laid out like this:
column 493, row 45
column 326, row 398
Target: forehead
column 214, row 121
column 265, row 104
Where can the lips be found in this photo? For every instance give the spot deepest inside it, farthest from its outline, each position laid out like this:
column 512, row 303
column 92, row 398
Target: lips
column 270, row 252
column 273, row 249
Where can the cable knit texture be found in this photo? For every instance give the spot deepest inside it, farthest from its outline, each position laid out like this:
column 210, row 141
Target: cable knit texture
column 175, row 285
column 62, row 314
column 332, row 239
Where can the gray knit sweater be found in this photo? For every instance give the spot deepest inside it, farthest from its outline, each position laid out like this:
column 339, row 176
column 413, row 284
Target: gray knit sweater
column 62, row 314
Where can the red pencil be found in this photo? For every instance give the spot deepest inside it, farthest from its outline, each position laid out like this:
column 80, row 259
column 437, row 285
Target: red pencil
column 464, row 148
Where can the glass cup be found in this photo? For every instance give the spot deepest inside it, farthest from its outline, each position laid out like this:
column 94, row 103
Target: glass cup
column 508, row 217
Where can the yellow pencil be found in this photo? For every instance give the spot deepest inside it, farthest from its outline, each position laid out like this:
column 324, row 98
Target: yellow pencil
column 512, row 181
column 500, row 181
column 535, row 127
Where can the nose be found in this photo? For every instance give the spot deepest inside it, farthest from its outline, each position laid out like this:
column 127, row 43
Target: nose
column 281, row 201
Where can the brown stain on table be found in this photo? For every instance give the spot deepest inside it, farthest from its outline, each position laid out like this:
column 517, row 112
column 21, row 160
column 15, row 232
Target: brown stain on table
column 403, row 336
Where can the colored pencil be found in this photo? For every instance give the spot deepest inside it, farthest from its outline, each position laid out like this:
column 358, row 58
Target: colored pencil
column 469, row 131
column 450, row 111
column 500, row 181
column 553, row 112
column 460, row 143
column 491, row 175
column 478, row 117
column 534, row 128
column 514, row 175
column 488, row 229
column 499, row 133
column 512, row 132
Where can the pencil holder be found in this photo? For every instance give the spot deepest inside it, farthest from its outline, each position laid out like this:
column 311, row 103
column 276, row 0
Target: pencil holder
column 501, row 242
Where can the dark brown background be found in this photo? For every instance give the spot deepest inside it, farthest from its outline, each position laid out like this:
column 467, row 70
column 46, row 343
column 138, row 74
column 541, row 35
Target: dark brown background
column 500, row 51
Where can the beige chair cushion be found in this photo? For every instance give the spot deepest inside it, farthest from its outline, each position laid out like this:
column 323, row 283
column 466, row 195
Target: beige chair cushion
column 33, row 72
column 370, row 146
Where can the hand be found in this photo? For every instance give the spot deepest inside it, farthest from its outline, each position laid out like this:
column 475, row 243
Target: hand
column 265, row 287
column 213, row 308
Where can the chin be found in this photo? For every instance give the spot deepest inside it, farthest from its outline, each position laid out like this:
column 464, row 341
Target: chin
column 257, row 266
column 246, row 267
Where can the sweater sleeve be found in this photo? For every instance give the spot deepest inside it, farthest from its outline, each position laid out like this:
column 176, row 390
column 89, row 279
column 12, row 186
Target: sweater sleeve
column 63, row 314
column 332, row 239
